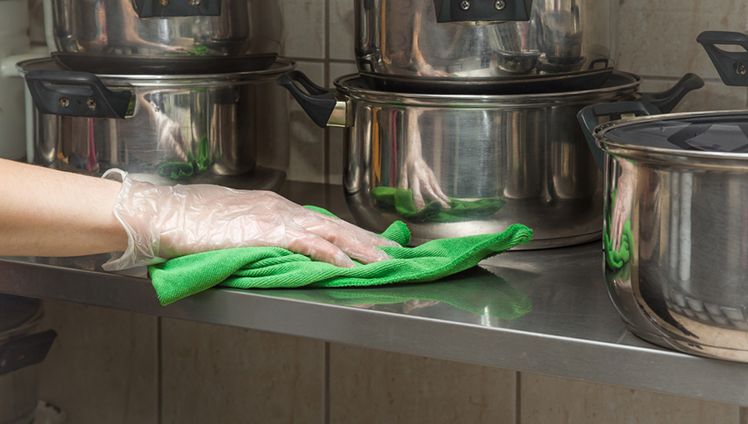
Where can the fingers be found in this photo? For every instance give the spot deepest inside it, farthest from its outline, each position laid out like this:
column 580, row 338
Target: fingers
column 317, row 248
column 348, row 242
column 366, row 236
column 434, row 190
column 417, row 196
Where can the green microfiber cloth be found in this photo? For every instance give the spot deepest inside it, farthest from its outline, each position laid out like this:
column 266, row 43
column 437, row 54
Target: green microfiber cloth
column 270, row 267
column 476, row 290
column 461, row 210
column 194, row 165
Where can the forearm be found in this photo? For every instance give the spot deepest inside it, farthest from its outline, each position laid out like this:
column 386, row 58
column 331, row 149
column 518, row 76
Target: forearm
column 51, row 213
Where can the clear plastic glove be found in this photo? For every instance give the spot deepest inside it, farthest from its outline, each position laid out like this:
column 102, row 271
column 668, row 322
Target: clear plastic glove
column 417, row 176
column 164, row 222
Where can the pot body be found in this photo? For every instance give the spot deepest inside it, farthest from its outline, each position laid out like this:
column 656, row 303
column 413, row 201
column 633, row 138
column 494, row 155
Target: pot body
column 141, row 34
column 396, row 37
column 507, row 159
column 231, row 131
column 683, row 285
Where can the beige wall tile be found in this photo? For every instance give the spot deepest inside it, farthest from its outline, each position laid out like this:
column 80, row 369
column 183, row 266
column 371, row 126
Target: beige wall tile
column 659, row 37
column 216, row 374
column 304, row 29
column 551, row 400
column 369, row 386
column 307, row 161
column 713, row 96
column 342, row 26
column 103, row 366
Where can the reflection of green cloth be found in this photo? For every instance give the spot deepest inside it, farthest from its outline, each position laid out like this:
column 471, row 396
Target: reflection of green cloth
column 268, row 267
column 402, row 201
column 193, row 166
column 476, row 291
column 616, row 259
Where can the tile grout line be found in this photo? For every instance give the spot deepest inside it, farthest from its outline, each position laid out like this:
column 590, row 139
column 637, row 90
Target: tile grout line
column 742, row 415
column 326, row 154
column 517, row 397
column 160, row 371
column 327, row 383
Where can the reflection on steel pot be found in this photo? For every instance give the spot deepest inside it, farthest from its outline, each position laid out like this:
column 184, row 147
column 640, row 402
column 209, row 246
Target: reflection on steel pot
column 677, row 223
column 407, row 38
column 139, row 36
column 166, row 128
column 458, row 165
column 20, row 350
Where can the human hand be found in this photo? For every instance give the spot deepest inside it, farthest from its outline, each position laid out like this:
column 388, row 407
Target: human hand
column 164, row 222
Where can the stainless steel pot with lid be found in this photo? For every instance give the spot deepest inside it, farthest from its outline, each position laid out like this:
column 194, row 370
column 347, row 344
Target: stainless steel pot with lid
column 412, row 40
column 459, row 165
column 20, row 350
column 229, row 129
column 676, row 219
column 164, row 37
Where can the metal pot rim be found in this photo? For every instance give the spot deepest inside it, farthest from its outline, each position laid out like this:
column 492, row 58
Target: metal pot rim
column 281, row 66
column 467, row 100
column 661, row 153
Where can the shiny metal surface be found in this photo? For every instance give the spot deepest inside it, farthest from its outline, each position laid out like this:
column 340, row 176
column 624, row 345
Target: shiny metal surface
column 184, row 130
column 402, row 37
column 113, row 29
column 684, row 286
column 568, row 329
column 525, row 152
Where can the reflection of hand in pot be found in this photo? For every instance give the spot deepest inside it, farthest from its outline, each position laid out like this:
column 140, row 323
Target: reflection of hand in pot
column 624, row 199
column 416, row 175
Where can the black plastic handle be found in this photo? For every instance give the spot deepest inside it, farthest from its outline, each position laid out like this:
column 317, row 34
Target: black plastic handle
column 732, row 66
column 482, row 10
column 176, row 8
column 317, row 102
column 587, row 117
column 79, row 94
column 25, row 351
column 666, row 101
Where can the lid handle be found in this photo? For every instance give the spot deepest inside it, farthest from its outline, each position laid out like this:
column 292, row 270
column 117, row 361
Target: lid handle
column 588, row 119
column 667, row 100
column 732, row 66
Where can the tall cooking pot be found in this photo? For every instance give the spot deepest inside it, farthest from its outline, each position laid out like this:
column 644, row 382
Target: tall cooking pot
column 227, row 129
column 676, row 217
column 164, row 37
column 414, row 38
column 459, row 165
column 21, row 349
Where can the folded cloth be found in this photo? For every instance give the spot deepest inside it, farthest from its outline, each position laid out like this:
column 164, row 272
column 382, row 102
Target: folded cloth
column 269, row 267
column 460, row 210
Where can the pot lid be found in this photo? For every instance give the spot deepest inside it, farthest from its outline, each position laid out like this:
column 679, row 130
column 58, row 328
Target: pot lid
column 723, row 134
column 16, row 311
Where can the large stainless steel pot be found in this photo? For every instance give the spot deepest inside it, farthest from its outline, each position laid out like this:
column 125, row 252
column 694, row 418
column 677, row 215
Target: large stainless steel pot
column 228, row 129
column 407, row 38
column 500, row 159
column 164, row 37
column 676, row 261
column 21, row 349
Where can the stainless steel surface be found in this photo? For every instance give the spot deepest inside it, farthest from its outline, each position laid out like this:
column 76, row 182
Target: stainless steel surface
column 113, row 29
column 684, row 286
column 526, row 150
column 396, row 37
column 20, row 389
column 187, row 129
column 571, row 329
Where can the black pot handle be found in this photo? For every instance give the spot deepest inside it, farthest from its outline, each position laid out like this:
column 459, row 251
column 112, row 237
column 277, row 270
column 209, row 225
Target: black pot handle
column 482, row 10
column 587, row 117
column 79, row 94
column 25, row 351
column 318, row 102
column 732, row 66
column 666, row 101
column 173, row 9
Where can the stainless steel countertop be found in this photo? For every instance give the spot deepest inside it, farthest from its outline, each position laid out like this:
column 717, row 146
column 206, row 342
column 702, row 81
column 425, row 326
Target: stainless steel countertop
column 534, row 311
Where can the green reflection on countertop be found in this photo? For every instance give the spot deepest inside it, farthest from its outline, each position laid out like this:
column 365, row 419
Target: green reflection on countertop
column 476, row 290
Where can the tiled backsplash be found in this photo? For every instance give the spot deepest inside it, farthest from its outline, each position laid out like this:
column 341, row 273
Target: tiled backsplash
column 216, row 374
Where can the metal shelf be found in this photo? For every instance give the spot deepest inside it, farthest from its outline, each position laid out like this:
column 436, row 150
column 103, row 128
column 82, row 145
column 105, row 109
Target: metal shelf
column 543, row 311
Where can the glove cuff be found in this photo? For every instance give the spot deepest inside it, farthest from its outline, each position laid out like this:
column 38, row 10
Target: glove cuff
column 142, row 243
